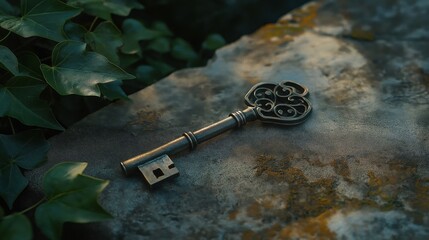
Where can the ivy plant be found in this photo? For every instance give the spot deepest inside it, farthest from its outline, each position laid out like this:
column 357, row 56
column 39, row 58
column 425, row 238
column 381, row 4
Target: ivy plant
column 70, row 196
column 60, row 60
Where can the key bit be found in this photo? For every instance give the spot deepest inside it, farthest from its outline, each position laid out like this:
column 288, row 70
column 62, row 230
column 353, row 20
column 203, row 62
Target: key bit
column 159, row 169
column 284, row 103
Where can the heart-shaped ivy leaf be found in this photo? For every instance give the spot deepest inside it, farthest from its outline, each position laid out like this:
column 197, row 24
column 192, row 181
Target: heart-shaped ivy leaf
column 134, row 32
column 128, row 59
column 77, row 71
column 29, row 65
column 74, row 31
column 113, row 91
column 6, row 8
column 213, row 42
column 162, row 29
column 71, row 197
column 104, row 8
column 161, row 45
column 26, row 150
column 15, row 227
column 182, row 50
column 147, row 74
column 44, row 18
column 161, row 67
column 105, row 39
column 8, row 60
column 19, row 99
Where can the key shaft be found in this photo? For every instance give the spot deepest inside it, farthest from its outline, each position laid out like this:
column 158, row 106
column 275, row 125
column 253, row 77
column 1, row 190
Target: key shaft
column 284, row 103
column 190, row 140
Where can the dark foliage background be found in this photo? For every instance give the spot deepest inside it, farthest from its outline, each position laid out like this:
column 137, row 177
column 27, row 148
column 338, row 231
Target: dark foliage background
column 195, row 19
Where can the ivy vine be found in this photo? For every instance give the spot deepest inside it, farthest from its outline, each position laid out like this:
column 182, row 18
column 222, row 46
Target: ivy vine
column 56, row 58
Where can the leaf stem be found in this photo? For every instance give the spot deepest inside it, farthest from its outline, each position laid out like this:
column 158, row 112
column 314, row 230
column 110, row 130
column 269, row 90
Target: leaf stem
column 11, row 125
column 33, row 206
column 92, row 24
column 4, row 38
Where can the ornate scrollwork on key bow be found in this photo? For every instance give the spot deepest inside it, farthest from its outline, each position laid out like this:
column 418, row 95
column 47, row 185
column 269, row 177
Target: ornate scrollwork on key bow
column 284, row 103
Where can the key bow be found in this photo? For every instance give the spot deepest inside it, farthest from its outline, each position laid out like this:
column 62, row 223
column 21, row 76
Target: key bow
column 284, row 103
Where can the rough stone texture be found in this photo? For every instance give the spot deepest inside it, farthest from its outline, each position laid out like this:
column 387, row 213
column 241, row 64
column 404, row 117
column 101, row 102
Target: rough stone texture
column 357, row 168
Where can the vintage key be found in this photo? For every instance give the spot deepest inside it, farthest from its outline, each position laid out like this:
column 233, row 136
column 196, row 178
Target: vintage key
column 284, row 103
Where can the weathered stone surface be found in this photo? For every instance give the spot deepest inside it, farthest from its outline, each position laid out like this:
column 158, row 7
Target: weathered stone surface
column 358, row 168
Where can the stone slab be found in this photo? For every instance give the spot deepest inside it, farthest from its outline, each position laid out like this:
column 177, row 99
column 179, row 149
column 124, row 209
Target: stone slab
column 357, row 168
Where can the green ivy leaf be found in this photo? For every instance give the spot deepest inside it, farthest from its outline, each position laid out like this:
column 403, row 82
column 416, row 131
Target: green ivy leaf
column 147, row 74
column 162, row 29
column 161, row 45
column 105, row 39
column 128, row 59
column 182, row 50
column 104, row 8
column 15, row 227
column 77, row 71
column 134, row 31
column 6, row 8
column 29, row 65
column 19, row 99
column 71, row 197
column 40, row 18
column 74, row 31
column 113, row 91
column 8, row 60
column 161, row 67
column 213, row 42
column 25, row 150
